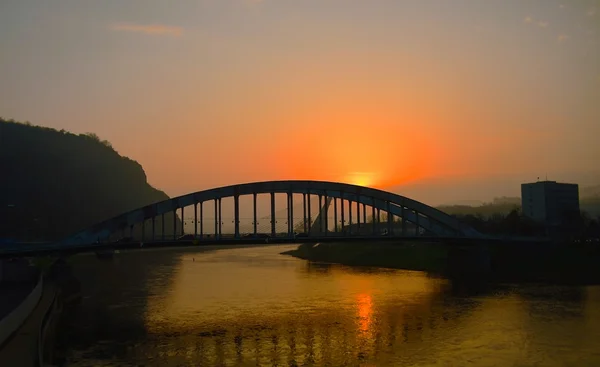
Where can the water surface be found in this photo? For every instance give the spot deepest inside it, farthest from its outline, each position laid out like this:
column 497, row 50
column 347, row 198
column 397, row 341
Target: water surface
column 251, row 306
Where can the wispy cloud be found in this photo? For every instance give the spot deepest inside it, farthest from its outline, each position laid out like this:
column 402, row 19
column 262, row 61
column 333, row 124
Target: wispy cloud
column 562, row 38
column 150, row 29
column 540, row 23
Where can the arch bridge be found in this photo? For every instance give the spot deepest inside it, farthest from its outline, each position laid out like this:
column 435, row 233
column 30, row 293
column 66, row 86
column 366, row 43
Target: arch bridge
column 343, row 210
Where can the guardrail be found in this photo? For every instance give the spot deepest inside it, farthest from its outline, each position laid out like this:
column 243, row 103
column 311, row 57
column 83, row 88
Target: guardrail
column 13, row 321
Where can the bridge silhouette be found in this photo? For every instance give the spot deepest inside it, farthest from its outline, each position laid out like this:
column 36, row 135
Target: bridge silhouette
column 312, row 210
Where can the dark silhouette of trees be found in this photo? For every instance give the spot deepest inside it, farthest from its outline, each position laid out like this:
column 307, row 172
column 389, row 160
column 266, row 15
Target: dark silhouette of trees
column 54, row 183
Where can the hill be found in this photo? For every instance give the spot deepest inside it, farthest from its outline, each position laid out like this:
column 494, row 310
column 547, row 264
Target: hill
column 54, row 183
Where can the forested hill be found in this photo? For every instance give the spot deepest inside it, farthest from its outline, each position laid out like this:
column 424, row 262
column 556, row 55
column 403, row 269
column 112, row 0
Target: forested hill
column 54, row 183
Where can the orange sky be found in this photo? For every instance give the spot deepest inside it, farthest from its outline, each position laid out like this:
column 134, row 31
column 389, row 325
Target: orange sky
column 380, row 93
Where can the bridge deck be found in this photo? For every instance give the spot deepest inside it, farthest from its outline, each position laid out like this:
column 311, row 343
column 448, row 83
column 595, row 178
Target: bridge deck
column 60, row 249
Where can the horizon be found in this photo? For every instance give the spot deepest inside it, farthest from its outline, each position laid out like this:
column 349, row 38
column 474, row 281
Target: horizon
column 441, row 102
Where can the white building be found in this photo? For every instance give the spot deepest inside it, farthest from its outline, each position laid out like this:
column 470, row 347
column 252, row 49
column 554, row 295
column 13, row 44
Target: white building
column 549, row 202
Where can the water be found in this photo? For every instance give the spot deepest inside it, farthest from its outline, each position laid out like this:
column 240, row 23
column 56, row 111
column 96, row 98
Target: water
column 253, row 307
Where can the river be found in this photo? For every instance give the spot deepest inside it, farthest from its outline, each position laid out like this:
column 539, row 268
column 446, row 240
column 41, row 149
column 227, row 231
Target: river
column 251, row 306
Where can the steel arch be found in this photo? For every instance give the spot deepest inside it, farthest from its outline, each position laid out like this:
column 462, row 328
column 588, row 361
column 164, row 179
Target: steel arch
column 431, row 219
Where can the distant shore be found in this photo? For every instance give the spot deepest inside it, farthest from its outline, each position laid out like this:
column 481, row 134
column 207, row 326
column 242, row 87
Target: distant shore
column 551, row 263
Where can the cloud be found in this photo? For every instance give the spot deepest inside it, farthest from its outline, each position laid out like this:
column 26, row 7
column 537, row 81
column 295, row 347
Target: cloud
column 540, row 23
column 150, row 29
column 591, row 12
column 562, row 38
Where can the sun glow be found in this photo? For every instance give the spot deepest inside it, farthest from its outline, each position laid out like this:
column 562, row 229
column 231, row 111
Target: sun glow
column 361, row 178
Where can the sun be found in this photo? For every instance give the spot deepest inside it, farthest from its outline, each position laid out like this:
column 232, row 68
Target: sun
column 361, row 178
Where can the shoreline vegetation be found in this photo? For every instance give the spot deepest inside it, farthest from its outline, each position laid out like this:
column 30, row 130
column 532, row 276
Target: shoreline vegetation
column 505, row 262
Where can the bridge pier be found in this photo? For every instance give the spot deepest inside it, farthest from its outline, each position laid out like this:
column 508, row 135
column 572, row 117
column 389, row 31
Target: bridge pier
column 290, row 200
column 335, row 212
column 254, row 220
column 309, row 215
column 390, row 218
column 236, row 215
column 272, row 214
column 202, row 219
column 319, row 217
column 365, row 214
column 216, row 218
column 325, row 211
column 195, row 220
column 343, row 220
column 220, row 219
column 304, row 212
column 358, row 216
column 373, row 219
column 349, row 217
column 175, row 224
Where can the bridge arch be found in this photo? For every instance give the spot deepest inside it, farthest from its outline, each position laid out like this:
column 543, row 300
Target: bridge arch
column 433, row 221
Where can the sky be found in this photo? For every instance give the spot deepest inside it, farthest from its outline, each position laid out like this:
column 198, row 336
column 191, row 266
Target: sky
column 442, row 101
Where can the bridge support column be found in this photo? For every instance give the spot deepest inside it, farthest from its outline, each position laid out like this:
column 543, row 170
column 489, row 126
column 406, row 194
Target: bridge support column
column 216, row 218
column 254, row 219
column 325, row 211
column 309, row 215
column 335, row 223
column 304, row 212
column 195, row 220
column 236, row 215
column 202, row 219
column 358, row 215
column 182, row 222
column 342, row 220
column 320, row 219
column 379, row 220
column 390, row 218
column 220, row 219
column 364, row 214
column 290, row 214
column 273, row 214
column 349, row 217
column 373, row 218
column 143, row 229
column 175, row 224
column 162, row 227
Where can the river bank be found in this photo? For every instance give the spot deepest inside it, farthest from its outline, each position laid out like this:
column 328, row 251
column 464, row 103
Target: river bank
column 553, row 263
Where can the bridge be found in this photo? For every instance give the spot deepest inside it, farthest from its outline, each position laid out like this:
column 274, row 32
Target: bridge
column 313, row 210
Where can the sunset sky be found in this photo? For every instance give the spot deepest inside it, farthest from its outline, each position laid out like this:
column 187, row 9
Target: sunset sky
column 440, row 100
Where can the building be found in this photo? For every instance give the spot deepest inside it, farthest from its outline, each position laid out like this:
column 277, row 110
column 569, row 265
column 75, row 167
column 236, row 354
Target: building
column 550, row 202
